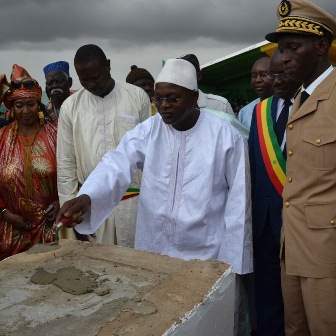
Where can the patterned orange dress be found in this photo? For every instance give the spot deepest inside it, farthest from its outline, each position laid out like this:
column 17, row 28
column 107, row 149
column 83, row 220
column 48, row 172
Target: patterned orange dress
column 13, row 189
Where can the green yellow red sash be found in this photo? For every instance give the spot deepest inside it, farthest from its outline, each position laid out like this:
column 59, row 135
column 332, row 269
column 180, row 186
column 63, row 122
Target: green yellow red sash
column 271, row 151
column 131, row 192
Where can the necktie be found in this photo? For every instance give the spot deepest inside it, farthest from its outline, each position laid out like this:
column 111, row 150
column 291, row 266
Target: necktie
column 280, row 125
column 304, row 96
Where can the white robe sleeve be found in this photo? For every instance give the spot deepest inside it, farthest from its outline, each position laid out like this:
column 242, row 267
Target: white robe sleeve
column 236, row 247
column 109, row 181
column 67, row 181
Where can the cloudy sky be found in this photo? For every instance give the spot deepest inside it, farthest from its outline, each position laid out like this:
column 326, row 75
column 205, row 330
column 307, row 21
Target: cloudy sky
column 141, row 32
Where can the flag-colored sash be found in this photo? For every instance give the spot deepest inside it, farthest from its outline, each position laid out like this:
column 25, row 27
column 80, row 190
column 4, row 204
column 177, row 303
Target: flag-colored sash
column 131, row 192
column 271, row 151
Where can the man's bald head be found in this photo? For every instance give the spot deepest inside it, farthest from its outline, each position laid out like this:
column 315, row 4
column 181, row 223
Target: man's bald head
column 260, row 81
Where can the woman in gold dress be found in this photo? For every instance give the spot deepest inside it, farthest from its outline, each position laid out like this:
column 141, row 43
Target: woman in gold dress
column 28, row 186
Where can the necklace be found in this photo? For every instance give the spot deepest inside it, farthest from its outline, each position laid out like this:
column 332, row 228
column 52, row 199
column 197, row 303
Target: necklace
column 27, row 163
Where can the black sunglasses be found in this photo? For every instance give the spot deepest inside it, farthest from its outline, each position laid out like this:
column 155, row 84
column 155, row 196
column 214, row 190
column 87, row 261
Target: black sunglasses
column 26, row 83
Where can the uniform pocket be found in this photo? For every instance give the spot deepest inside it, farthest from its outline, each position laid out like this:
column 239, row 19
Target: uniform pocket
column 319, row 147
column 321, row 218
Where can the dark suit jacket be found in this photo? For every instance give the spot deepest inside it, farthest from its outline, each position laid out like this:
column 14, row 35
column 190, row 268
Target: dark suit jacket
column 265, row 197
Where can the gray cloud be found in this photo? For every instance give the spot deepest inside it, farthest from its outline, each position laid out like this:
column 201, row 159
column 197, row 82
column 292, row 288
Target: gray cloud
column 146, row 21
column 143, row 32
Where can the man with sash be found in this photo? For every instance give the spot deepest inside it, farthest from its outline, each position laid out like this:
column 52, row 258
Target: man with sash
column 92, row 121
column 267, row 143
column 308, row 243
column 262, row 86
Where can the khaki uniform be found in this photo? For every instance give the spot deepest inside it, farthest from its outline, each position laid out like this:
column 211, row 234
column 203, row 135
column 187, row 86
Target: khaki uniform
column 309, row 214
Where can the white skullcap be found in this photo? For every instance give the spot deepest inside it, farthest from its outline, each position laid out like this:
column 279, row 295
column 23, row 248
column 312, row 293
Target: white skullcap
column 179, row 72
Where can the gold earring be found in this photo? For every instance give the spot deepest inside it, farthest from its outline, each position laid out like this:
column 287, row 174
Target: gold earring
column 41, row 117
column 12, row 114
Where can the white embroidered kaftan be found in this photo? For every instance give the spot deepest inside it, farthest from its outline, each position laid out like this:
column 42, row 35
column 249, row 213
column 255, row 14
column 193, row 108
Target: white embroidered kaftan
column 88, row 127
column 195, row 191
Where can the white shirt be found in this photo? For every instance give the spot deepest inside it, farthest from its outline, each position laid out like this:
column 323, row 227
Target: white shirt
column 214, row 102
column 195, row 193
column 232, row 120
column 88, row 127
column 280, row 105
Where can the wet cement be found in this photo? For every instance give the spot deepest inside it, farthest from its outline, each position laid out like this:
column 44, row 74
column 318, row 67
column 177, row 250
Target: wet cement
column 69, row 279
column 84, row 289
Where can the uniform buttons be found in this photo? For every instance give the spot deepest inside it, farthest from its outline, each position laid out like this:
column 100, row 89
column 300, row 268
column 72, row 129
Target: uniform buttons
column 286, row 204
column 290, row 153
column 318, row 141
column 290, row 126
column 290, row 180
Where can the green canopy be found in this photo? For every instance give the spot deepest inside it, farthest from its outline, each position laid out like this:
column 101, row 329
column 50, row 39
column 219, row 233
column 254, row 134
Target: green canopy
column 230, row 76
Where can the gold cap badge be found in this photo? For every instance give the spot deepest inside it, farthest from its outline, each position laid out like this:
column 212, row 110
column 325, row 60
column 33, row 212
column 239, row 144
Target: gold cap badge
column 284, row 8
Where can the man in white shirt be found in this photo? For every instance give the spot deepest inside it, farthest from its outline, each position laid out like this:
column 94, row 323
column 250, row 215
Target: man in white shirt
column 195, row 192
column 208, row 100
column 92, row 122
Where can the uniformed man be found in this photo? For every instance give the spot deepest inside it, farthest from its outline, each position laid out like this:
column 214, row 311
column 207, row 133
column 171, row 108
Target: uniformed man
column 308, row 255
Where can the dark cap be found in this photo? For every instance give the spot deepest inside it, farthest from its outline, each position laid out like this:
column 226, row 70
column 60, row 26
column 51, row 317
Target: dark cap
column 303, row 17
column 191, row 58
column 137, row 73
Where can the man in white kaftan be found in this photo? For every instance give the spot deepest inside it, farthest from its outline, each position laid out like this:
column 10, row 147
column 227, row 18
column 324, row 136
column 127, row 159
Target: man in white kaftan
column 195, row 193
column 89, row 126
column 195, row 197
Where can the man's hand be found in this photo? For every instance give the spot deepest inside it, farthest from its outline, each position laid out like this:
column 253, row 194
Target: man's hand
column 72, row 212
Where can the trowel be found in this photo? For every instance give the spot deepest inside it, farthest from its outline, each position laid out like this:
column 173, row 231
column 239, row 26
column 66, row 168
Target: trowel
column 63, row 222
column 58, row 227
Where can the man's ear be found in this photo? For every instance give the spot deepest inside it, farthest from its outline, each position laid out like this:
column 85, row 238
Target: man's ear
column 195, row 96
column 322, row 46
column 70, row 82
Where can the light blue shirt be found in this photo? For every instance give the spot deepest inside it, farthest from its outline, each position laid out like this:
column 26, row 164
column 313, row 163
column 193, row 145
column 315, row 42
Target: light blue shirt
column 245, row 114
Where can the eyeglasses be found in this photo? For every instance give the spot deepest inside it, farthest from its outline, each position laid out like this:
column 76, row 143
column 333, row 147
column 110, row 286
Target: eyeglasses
column 280, row 75
column 169, row 100
column 255, row 75
column 26, row 83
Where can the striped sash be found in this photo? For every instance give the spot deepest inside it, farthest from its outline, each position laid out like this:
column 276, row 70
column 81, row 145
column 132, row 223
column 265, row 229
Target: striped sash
column 131, row 192
column 271, row 151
